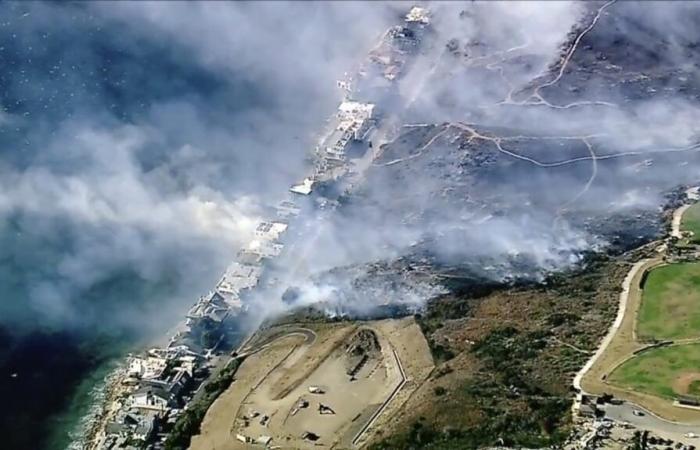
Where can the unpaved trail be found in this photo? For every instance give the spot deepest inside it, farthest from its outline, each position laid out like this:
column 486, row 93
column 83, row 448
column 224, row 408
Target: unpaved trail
column 417, row 154
column 573, row 48
column 612, row 331
column 591, row 179
column 676, row 222
column 497, row 141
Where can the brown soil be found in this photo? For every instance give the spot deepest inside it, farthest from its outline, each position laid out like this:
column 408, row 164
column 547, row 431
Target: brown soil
column 682, row 384
column 273, row 382
column 467, row 392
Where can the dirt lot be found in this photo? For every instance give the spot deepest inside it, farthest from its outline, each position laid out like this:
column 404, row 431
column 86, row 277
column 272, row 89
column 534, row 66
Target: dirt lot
column 359, row 369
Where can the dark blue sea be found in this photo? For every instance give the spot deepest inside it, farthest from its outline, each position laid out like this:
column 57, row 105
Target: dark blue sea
column 113, row 138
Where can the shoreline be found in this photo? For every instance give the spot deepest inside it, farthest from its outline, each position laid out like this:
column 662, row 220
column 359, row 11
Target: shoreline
column 84, row 435
column 96, row 422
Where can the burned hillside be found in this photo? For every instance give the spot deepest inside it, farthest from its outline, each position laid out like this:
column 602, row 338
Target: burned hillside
column 506, row 157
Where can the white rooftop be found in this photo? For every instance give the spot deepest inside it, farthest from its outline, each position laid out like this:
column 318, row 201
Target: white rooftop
column 239, row 277
column 351, row 110
column 270, row 230
column 418, row 14
column 147, row 368
column 265, row 248
column 304, row 188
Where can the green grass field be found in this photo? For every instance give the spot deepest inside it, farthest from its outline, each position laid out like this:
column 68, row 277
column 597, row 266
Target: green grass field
column 694, row 388
column 670, row 306
column 691, row 222
column 657, row 371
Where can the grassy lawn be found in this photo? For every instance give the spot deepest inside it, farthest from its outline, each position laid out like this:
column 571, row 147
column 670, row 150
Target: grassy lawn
column 670, row 306
column 656, row 370
column 691, row 222
column 694, row 388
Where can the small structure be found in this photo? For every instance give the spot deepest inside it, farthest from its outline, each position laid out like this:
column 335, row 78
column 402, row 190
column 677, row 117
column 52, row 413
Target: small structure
column 249, row 258
column 356, row 118
column 239, row 278
column 265, row 248
column 316, row 390
column 270, row 230
column 211, row 307
column 325, row 409
column 309, row 436
column 587, row 405
column 418, row 15
column 264, row 440
column 148, row 368
column 302, row 404
column 287, row 209
column 243, row 438
column 152, row 398
column 304, row 188
column 688, row 400
column 132, row 424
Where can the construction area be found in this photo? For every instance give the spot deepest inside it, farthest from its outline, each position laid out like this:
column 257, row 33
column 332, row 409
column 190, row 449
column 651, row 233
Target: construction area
column 327, row 385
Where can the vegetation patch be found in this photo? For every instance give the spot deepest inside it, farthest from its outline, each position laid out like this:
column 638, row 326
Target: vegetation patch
column 511, row 355
column 507, row 428
column 670, row 306
column 694, row 388
column 663, row 371
column 691, row 222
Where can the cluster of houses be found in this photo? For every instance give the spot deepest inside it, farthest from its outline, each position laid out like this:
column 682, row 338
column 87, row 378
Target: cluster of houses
column 351, row 124
column 159, row 384
column 389, row 57
column 355, row 120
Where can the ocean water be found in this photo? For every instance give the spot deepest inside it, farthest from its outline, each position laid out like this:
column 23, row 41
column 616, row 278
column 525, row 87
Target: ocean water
column 110, row 132
column 76, row 294
column 50, row 365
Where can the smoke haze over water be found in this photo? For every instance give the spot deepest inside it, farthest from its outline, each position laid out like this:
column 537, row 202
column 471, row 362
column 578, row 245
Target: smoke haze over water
column 140, row 143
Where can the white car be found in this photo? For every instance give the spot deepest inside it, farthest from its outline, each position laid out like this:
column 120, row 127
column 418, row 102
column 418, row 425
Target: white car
column 637, row 413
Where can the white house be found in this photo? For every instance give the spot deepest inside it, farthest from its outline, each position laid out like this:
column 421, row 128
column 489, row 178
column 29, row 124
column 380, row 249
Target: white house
column 270, row 230
column 152, row 398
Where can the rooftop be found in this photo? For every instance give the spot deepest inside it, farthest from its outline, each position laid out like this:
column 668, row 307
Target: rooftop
column 270, row 230
column 265, row 248
column 418, row 14
column 355, row 110
column 304, row 188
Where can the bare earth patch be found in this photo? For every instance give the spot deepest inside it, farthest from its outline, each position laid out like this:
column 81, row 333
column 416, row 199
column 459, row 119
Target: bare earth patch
column 330, row 391
column 683, row 384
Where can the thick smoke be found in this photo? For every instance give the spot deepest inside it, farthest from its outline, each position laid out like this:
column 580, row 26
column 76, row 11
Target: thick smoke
column 141, row 142
column 209, row 110
column 148, row 138
column 622, row 109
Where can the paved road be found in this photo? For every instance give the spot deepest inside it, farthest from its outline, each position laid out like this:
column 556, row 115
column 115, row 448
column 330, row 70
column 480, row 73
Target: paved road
column 657, row 425
column 676, row 222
